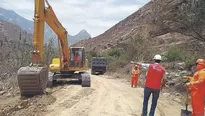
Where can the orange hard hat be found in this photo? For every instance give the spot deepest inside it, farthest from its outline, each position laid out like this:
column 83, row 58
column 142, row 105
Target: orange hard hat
column 201, row 62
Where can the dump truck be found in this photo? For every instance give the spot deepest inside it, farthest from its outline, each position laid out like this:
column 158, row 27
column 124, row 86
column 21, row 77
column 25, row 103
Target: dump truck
column 98, row 65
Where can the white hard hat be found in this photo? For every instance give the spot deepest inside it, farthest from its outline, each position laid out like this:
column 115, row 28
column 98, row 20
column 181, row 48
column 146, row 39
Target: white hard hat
column 157, row 57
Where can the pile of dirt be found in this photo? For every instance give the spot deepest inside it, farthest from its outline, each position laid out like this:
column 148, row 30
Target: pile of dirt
column 34, row 106
column 13, row 104
column 9, row 87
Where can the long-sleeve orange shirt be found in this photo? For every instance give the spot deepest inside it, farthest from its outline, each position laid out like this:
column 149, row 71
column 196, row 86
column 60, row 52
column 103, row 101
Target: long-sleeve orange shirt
column 135, row 72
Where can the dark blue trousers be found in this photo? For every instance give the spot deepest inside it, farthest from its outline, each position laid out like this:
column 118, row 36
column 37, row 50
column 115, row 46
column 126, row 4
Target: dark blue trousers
column 155, row 96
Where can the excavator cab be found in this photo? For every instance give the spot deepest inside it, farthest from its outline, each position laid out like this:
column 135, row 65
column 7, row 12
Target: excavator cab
column 76, row 69
column 78, row 61
column 77, row 57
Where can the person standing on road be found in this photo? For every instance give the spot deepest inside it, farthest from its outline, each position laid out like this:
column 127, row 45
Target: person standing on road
column 135, row 74
column 197, row 88
column 155, row 80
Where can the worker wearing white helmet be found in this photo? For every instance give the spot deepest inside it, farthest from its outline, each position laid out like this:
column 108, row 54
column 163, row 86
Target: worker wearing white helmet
column 155, row 80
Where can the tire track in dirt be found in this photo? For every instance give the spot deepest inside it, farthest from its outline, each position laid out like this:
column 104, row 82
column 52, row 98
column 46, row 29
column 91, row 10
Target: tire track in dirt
column 67, row 97
column 106, row 97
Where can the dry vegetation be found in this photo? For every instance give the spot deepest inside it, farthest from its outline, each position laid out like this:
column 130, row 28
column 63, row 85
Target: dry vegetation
column 18, row 55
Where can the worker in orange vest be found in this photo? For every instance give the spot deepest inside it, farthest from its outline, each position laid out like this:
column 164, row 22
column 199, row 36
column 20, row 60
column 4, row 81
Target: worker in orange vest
column 135, row 73
column 155, row 80
column 197, row 88
column 77, row 59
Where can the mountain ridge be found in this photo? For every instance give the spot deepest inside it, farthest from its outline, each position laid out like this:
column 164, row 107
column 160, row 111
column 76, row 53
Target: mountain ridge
column 12, row 17
column 145, row 22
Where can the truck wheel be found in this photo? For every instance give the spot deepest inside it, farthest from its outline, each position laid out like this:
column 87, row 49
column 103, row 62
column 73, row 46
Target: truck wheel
column 92, row 73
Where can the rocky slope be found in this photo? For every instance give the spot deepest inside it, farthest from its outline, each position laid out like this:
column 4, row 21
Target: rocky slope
column 12, row 33
column 13, row 17
column 146, row 22
column 14, row 44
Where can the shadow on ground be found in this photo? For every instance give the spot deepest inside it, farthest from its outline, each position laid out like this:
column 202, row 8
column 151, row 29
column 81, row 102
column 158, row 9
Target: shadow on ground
column 66, row 82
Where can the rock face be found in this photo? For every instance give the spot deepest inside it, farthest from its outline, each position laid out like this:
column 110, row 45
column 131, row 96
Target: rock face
column 12, row 33
column 15, row 45
column 146, row 22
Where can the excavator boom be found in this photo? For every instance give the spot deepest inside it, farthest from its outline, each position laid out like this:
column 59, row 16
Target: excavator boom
column 53, row 22
column 33, row 79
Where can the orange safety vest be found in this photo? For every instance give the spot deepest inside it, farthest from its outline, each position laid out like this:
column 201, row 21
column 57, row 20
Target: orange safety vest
column 198, row 76
column 77, row 58
column 154, row 75
column 135, row 72
column 198, row 93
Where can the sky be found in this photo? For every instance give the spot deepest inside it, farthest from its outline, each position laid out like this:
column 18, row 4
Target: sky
column 95, row 16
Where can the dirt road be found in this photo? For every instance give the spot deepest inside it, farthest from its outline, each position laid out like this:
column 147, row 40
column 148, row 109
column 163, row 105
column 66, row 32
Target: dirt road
column 106, row 97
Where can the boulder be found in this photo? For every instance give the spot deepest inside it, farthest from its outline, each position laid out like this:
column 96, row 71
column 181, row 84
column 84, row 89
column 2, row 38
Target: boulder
column 177, row 94
column 166, row 94
column 181, row 65
column 171, row 83
column 8, row 95
column 177, row 100
column 2, row 92
column 184, row 72
column 173, row 75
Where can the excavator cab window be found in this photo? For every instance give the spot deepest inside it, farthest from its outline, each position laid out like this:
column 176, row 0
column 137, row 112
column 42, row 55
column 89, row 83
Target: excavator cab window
column 77, row 57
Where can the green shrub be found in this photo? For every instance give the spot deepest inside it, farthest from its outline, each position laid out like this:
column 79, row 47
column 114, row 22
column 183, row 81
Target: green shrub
column 137, row 48
column 114, row 53
column 174, row 54
column 189, row 60
column 117, row 64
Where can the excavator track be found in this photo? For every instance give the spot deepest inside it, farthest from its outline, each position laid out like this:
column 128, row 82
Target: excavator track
column 86, row 81
column 32, row 80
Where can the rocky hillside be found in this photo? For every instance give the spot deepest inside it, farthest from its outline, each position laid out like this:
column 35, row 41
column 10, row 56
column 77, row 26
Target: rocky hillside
column 11, row 33
column 146, row 22
column 15, row 45
column 12, row 17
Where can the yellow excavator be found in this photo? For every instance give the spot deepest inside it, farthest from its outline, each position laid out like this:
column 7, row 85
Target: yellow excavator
column 34, row 79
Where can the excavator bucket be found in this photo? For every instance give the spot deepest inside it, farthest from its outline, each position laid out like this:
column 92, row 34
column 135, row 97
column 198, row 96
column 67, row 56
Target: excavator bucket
column 32, row 80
